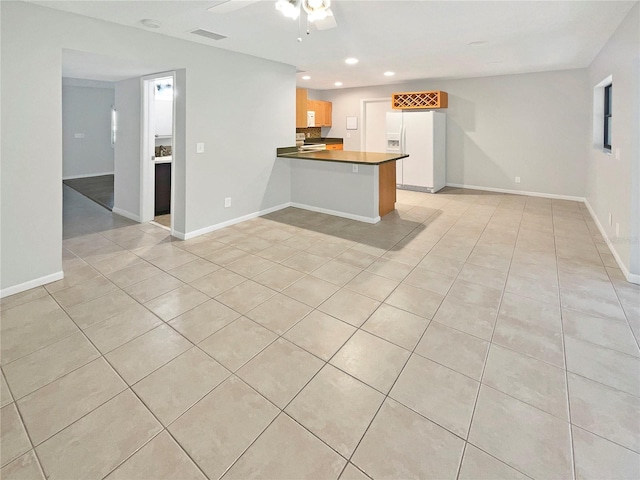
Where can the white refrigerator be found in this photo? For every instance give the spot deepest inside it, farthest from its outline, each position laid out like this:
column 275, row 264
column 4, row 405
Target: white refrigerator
column 421, row 135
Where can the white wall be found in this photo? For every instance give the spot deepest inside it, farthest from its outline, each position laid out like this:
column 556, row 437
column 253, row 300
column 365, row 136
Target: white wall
column 126, row 188
column 612, row 185
column 530, row 125
column 227, row 98
column 86, row 110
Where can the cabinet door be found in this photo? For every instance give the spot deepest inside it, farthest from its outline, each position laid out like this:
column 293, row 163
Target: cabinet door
column 315, row 106
column 163, row 189
column 301, row 108
column 328, row 113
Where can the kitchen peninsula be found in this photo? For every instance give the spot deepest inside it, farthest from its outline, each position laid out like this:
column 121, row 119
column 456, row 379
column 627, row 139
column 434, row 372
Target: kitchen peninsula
column 356, row 185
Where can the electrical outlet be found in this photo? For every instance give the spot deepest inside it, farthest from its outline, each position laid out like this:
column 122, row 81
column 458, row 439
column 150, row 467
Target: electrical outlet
column 617, row 230
column 348, row 135
column 517, row 179
column 199, row 147
column 355, row 168
column 610, row 219
column 78, row 135
column 227, row 202
column 617, row 153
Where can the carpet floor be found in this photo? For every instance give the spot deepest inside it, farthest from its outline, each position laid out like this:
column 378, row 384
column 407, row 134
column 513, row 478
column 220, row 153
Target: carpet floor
column 99, row 189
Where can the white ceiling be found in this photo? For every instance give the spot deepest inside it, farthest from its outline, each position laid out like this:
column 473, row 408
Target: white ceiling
column 415, row 39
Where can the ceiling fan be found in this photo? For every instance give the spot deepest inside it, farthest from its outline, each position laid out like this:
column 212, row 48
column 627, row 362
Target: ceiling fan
column 318, row 12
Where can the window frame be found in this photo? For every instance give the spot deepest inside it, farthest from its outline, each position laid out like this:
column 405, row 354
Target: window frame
column 607, row 116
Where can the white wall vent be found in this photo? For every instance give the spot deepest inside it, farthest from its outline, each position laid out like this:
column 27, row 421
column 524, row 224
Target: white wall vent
column 208, row 34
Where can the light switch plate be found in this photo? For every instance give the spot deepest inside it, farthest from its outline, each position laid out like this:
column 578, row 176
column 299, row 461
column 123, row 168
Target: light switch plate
column 199, row 147
column 227, row 202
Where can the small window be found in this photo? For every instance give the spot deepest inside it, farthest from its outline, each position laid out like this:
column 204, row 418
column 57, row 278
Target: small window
column 608, row 97
column 114, row 125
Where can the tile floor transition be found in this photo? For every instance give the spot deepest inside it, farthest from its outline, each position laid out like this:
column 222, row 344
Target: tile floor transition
column 468, row 335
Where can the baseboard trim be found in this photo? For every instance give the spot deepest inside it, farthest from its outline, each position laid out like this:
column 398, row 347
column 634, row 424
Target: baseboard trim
column 228, row 223
column 336, row 213
column 73, row 177
column 126, row 214
column 5, row 292
column 518, row 192
column 631, row 277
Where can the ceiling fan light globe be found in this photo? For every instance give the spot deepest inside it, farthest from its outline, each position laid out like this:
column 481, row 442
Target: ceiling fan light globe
column 317, row 15
column 312, row 6
column 289, row 8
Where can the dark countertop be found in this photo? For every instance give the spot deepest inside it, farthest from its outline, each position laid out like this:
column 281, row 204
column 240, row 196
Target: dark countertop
column 341, row 156
column 325, row 140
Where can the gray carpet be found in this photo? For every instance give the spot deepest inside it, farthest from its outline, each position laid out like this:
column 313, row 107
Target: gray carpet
column 99, row 189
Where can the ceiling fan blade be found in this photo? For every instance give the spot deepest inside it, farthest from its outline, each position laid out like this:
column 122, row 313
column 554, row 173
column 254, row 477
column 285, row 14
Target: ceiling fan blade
column 227, row 6
column 326, row 23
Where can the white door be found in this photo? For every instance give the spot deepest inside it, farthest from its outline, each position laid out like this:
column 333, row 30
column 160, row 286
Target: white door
column 418, row 144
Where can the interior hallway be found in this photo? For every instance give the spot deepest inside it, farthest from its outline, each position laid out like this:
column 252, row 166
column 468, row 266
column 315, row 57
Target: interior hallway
column 468, row 335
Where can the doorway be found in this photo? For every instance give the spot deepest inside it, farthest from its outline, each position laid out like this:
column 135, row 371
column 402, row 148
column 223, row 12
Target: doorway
column 157, row 172
column 374, row 116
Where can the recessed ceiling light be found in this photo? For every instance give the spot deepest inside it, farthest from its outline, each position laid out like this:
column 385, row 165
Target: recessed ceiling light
column 389, row 74
column 478, row 43
column 351, row 61
column 149, row 23
column 306, row 77
column 338, row 84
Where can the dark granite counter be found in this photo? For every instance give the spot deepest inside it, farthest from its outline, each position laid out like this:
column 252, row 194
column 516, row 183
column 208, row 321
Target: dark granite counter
column 325, row 140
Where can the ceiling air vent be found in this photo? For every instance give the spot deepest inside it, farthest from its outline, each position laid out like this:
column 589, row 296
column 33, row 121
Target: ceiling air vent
column 208, row 34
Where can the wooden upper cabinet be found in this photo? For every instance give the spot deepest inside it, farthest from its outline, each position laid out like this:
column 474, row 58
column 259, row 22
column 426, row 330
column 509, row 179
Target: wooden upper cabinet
column 301, row 108
column 314, row 106
column 419, row 100
column 322, row 109
column 328, row 113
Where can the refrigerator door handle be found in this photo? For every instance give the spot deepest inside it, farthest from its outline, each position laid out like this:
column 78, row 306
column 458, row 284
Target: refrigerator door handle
column 403, row 139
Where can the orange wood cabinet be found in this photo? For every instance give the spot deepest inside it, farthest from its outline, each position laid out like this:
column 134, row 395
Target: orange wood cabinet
column 316, row 106
column 386, row 188
column 334, row 146
column 327, row 114
column 322, row 109
column 301, row 108
column 419, row 100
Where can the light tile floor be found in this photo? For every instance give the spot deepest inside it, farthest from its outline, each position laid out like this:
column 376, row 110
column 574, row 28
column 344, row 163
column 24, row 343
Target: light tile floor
column 468, row 335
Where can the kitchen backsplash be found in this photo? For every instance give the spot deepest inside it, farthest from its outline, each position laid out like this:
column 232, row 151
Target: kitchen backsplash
column 311, row 132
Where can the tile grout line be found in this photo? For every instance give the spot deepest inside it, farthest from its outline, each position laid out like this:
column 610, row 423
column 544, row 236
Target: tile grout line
column 130, row 388
column 564, row 355
column 313, row 309
column 405, row 364
column 282, row 411
column 486, row 357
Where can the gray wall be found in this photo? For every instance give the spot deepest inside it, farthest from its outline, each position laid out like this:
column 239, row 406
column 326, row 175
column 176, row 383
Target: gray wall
column 86, row 109
column 228, row 98
column 613, row 185
column 531, row 125
column 335, row 187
